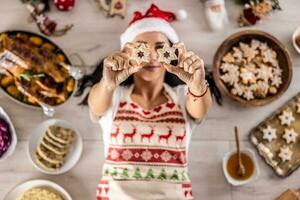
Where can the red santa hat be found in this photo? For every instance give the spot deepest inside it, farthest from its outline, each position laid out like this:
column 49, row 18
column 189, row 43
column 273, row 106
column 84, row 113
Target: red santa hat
column 153, row 20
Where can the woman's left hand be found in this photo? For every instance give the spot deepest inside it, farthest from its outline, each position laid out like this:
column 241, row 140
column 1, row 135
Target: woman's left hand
column 190, row 69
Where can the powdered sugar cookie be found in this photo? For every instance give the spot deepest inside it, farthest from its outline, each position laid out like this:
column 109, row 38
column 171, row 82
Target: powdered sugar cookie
column 141, row 54
column 285, row 154
column 166, row 54
column 264, row 72
column 290, row 135
column 262, row 88
column 231, row 76
column 286, row 118
column 237, row 90
column 255, row 44
column 249, row 53
column 276, row 81
column 247, row 76
column 269, row 133
column 248, row 93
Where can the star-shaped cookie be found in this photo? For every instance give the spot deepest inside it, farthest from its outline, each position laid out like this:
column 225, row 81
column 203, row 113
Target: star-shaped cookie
column 141, row 54
column 269, row 133
column 166, row 54
column 286, row 118
column 285, row 154
column 290, row 135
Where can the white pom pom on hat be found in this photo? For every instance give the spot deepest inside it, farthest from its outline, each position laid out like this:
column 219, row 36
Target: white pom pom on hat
column 181, row 14
column 153, row 20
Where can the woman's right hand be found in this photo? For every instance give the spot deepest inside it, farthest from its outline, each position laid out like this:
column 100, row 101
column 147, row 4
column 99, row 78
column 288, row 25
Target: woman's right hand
column 119, row 66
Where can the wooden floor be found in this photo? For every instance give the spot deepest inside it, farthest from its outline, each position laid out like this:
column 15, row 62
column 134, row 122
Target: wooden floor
column 93, row 37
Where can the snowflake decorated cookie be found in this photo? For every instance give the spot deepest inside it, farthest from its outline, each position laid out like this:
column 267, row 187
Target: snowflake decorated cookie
column 286, row 118
column 141, row 53
column 290, row 136
column 269, row 133
column 166, row 54
column 285, row 154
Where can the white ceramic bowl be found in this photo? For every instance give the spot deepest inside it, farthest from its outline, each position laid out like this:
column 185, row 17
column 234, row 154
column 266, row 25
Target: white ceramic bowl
column 73, row 155
column 14, row 139
column 20, row 189
column 295, row 34
column 233, row 181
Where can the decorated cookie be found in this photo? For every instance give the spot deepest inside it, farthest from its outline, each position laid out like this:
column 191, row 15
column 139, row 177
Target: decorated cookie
column 262, row 88
column 247, row 76
column 269, row 133
column 255, row 44
column 290, row 135
column 285, row 154
column 269, row 56
column 249, row 53
column 141, row 54
column 166, row 54
column 228, row 58
column 248, row 93
column 264, row 72
column 286, row 118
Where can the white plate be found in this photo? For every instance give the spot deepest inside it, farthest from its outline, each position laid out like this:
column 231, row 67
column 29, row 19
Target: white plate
column 74, row 152
column 14, row 139
column 20, row 189
column 296, row 33
column 233, row 181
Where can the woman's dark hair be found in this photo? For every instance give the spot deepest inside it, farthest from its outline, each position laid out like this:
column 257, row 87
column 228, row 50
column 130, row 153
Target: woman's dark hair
column 91, row 79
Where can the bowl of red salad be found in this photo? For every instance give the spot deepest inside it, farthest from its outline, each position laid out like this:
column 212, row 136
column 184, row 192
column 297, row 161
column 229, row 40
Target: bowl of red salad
column 8, row 137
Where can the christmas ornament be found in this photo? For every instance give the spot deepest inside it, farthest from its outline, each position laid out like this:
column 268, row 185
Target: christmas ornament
column 64, row 5
column 113, row 7
column 255, row 11
column 216, row 14
column 46, row 26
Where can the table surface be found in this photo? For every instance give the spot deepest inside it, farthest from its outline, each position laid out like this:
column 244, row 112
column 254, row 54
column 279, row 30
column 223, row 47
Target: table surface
column 93, row 37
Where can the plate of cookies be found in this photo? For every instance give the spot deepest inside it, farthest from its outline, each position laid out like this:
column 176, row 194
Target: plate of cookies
column 55, row 147
column 38, row 189
column 277, row 138
column 252, row 67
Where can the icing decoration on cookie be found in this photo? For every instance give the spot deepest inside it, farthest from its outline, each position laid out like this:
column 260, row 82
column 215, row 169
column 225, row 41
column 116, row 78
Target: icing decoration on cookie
column 230, row 78
column 247, row 76
column 285, row 154
column 262, row 88
column 286, row 118
column 248, row 93
column 255, row 44
column 249, row 53
column 290, row 135
column 166, row 54
column 269, row 55
column 141, row 54
column 237, row 53
column 264, row 72
column 276, row 81
column 269, row 133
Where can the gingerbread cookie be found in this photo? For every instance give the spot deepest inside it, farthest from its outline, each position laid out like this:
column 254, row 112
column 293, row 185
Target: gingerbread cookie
column 166, row 54
column 290, row 136
column 269, row 133
column 285, row 154
column 141, row 54
column 286, row 118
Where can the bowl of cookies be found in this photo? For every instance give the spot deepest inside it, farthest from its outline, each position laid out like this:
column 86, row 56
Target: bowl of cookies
column 252, row 67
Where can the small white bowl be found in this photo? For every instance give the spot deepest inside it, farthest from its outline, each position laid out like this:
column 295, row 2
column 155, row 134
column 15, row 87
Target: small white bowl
column 73, row 155
column 295, row 34
column 233, row 181
column 20, row 189
column 14, row 139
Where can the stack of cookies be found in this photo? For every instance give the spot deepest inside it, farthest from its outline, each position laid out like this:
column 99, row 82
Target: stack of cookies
column 54, row 147
column 251, row 70
column 40, row 194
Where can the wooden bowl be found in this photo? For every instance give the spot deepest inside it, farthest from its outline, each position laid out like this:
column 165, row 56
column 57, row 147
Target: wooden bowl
column 246, row 36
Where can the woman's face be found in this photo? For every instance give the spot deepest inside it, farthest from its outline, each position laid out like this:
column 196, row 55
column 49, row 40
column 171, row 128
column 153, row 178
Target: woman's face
column 152, row 71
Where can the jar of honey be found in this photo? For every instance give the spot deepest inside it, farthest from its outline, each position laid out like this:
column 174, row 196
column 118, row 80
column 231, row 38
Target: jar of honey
column 230, row 165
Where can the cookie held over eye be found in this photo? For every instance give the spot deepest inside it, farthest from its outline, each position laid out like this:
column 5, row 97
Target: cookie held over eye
column 141, row 54
column 166, row 54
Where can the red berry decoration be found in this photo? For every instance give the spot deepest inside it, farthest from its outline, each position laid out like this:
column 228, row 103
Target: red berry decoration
column 64, row 5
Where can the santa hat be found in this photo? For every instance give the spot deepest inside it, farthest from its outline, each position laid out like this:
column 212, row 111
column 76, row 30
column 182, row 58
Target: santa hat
column 153, row 20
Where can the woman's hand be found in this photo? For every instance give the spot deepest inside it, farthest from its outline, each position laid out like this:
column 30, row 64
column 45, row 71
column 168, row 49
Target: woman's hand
column 118, row 67
column 190, row 69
